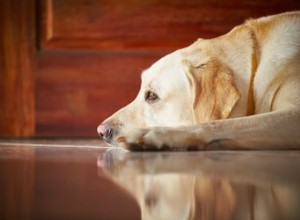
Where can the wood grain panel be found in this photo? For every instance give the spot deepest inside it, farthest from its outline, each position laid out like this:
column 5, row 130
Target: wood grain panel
column 17, row 52
column 147, row 24
column 75, row 91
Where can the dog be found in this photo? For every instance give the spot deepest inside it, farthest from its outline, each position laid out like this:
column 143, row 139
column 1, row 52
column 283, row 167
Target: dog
column 207, row 185
column 237, row 91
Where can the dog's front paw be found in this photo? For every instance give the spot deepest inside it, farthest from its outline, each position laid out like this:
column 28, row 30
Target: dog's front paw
column 137, row 140
column 161, row 138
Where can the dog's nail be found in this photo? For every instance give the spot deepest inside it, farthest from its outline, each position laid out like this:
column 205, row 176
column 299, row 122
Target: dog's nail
column 121, row 140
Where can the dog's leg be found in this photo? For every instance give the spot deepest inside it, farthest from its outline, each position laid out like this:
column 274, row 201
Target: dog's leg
column 275, row 130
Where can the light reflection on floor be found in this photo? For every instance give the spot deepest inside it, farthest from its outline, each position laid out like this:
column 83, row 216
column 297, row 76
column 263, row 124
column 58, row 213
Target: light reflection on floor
column 85, row 179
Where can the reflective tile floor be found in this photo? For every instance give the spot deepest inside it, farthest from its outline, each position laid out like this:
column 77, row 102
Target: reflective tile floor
column 84, row 179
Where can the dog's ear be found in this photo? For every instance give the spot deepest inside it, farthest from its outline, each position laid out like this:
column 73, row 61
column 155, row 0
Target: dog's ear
column 208, row 192
column 210, row 67
column 213, row 90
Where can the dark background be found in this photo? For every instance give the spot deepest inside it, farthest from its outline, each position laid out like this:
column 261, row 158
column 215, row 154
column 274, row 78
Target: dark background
column 66, row 65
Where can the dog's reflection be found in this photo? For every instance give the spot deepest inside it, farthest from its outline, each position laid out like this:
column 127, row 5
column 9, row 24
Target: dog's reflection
column 208, row 185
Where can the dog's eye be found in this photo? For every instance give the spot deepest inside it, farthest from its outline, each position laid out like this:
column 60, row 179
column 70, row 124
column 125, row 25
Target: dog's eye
column 151, row 97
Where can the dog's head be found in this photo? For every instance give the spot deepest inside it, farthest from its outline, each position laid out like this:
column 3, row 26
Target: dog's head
column 191, row 85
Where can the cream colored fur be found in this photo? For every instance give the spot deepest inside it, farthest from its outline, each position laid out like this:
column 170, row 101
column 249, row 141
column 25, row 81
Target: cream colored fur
column 204, row 93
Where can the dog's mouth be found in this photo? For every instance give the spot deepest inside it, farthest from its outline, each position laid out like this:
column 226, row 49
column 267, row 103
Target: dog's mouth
column 109, row 131
column 108, row 136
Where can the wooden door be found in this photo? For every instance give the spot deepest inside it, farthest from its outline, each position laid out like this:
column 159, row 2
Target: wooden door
column 17, row 61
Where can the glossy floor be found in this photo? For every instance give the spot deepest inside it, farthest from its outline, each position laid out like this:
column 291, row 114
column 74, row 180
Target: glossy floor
column 83, row 179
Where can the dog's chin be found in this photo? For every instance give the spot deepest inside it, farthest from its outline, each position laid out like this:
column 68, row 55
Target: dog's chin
column 122, row 139
column 114, row 142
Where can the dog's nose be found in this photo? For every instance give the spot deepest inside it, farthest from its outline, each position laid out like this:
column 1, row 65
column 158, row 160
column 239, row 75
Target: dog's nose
column 105, row 131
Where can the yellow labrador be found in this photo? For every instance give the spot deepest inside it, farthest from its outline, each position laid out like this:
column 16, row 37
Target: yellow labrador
column 237, row 91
